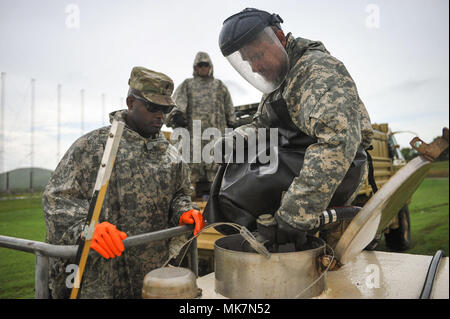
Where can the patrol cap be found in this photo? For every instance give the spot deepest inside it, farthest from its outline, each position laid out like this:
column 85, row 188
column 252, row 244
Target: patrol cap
column 154, row 86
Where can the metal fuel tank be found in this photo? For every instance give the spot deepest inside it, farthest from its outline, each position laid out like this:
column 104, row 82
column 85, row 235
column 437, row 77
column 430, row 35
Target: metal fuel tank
column 286, row 275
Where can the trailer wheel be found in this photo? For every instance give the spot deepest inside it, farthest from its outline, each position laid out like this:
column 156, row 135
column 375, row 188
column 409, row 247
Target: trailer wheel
column 399, row 239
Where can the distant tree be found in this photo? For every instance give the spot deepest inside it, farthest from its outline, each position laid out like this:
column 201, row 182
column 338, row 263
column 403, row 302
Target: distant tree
column 409, row 153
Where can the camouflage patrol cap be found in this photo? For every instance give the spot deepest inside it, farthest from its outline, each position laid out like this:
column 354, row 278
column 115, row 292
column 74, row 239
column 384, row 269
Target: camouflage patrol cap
column 154, row 86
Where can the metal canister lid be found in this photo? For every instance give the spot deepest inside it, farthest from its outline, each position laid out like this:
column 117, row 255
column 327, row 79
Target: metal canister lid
column 381, row 208
column 170, row 283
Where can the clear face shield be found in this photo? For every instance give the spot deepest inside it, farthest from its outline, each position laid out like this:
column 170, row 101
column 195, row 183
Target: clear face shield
column 263, row 62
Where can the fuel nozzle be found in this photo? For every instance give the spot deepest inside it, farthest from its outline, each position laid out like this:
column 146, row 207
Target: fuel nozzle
column 264, row 238
column 266, row 228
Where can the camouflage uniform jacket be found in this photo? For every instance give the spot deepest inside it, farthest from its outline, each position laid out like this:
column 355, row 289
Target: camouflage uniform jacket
column 148, row 190
column 323, row 102
column 207, row 100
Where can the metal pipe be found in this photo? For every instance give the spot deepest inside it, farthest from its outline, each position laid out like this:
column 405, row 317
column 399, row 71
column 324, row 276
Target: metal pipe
column 44, row 250
column 41, row 277
column 193, row 254
column 431, row 274
column 63, row 251
column 31, row 246
column 156, row 235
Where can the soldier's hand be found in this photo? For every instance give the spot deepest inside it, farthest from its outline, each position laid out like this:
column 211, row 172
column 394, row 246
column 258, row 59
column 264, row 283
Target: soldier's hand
column 288, row 234
column 107, row 240
column 193, row 216
column 178, row 120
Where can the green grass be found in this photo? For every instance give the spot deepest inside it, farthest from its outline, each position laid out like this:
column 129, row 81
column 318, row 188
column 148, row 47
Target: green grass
column 23, row 218
column 441, row 165
column 429, row 218
column 439, row 169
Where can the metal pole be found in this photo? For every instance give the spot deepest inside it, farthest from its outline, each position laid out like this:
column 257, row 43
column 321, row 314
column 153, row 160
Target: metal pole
column 7, row 182
column 82, row 110
column 33, row 84
column 193, row 253
column 103, row 109
column 41, row 277
column 58, row 123
column 2, row 123
column 44, row 250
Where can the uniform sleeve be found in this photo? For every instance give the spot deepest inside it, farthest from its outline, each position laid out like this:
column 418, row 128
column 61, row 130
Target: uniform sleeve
column 335, row 122
column 181, row 201
column 67, row 195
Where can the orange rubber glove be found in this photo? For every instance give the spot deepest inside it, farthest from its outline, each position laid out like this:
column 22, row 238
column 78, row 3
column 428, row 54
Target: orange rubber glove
column 193, row 216
column 107, row 240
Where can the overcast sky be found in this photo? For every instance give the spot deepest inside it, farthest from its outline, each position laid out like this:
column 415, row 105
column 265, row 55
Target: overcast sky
column 396, row 51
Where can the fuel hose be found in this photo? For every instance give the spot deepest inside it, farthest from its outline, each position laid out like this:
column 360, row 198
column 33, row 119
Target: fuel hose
column 431, row 274
column 337, row 214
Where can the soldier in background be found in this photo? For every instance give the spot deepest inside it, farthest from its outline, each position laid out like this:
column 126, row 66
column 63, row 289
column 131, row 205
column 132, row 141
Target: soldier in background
column 149, row 190
column 312, row 100
column 206, row 99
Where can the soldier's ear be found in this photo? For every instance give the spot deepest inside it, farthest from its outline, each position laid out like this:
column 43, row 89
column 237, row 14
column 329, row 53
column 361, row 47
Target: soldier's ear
column 280, row 35
column 129, row 101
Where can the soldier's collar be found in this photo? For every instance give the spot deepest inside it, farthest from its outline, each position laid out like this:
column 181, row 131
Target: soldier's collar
column 157, row 143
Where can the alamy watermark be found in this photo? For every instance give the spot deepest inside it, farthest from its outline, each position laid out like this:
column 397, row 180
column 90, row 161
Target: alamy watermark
column 236, row 146
column 73, row 279
column 373, row 279
column 373, row 19
column 72, row 21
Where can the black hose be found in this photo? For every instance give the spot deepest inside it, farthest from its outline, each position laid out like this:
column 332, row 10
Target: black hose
column 337, row 214
column 431, row 274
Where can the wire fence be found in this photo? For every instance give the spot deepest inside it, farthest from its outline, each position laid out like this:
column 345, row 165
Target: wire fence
column 39, row 120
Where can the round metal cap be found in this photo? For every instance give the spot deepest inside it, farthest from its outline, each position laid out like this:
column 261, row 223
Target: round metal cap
column 170, row 283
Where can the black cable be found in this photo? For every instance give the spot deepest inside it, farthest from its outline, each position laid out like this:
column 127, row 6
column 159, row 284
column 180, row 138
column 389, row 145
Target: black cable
column 431, row 274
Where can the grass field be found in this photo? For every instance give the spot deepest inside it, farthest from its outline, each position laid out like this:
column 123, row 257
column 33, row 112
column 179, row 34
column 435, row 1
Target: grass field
column 429, row 217
column 23, row 218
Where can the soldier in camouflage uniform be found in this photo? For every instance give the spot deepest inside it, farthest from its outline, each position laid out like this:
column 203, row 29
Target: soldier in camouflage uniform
column 321, row 100
column 149, row 190
column 205, row 99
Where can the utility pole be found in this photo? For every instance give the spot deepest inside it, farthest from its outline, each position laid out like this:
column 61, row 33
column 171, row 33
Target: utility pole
column 103, row 109
column 58, row 124
column 82, row 110
column 2, row 123
column 2, row 128
column 33, row 87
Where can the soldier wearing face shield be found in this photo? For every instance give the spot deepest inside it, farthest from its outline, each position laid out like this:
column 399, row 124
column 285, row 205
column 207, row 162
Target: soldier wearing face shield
column 312, row 100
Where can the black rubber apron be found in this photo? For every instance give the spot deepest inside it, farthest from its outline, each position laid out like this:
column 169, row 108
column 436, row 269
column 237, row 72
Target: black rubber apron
column 243, row 191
